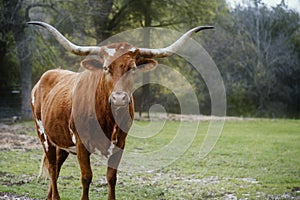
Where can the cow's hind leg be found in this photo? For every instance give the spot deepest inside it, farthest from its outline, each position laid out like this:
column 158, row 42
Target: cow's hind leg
column 52, row 168
column 49, row 161
column 61, row 156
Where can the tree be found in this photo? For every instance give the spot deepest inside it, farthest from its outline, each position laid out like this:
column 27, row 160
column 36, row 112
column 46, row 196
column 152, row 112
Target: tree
column 12, row 22
column 92, row 22
column 14, row 15
column 260, row 58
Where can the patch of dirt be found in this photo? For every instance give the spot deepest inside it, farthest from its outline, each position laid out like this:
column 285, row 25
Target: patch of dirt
column 285, row 196
column 178, row 117
column 10, row 196
column 14, row 137
column 10, row 141
column 12, row 180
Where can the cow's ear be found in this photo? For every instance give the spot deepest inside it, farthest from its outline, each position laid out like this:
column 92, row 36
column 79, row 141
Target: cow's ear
column 146, row 64
column 91, row 63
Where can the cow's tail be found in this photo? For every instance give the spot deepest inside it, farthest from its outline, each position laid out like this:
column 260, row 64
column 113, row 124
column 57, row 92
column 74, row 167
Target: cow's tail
column 43, row 173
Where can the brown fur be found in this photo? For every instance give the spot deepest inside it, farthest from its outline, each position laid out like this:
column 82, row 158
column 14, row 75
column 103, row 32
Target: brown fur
column 67, row 104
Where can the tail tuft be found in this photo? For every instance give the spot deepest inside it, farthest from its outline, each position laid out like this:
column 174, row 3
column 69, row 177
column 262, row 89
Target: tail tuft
column 43, row 173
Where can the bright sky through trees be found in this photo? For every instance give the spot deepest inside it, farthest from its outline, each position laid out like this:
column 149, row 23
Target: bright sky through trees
column 292, row 4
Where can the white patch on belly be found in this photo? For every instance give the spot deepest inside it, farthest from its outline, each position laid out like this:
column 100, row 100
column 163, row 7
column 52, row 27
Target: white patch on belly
column 110, row 52
column 41, row 127
column 46, row 142
column 108, row 154
column 110, row 150
column 32, row 98
column 73, row 139
column 41, row 131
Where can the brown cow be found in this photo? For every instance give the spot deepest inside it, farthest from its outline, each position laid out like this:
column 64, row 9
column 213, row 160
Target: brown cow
column 82, row 113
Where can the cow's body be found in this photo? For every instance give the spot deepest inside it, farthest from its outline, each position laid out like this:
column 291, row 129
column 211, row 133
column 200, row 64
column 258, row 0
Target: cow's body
column 49, row 111
column 62, row 100
column 91, row 111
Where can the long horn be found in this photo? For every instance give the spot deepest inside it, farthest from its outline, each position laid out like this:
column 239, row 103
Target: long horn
column 168, row 51
column 69, row 46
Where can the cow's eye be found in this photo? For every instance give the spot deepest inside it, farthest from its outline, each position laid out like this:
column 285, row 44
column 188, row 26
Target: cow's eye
column 106, row 69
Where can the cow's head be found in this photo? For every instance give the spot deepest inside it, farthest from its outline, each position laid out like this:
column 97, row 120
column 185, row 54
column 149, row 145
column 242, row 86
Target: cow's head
column 119, row 61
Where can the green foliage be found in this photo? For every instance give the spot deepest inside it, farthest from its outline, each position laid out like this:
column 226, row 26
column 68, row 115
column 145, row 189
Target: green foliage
column 256, row 53
column 257, row 49
column 238, row 102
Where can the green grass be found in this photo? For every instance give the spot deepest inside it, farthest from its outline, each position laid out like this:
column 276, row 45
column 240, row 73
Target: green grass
column 253, row 159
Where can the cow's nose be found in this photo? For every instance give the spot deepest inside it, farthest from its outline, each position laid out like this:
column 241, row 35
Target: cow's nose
column 119, row 99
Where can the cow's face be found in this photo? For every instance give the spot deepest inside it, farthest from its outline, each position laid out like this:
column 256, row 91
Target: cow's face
column 119, row 63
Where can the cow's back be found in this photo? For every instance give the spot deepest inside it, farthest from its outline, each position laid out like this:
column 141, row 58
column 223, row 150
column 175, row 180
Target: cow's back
column 51, row 103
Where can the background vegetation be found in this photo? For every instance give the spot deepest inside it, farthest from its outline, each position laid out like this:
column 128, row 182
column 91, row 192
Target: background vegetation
column 256, row 48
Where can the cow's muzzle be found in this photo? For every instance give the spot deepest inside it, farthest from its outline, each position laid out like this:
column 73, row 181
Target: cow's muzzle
column 119, row 99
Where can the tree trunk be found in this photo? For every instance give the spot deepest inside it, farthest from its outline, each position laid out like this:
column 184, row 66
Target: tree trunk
column 24, row 56
column 146, row 41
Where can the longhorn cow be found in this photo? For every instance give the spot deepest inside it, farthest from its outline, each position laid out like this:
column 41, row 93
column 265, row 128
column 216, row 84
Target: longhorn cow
column 82, row 113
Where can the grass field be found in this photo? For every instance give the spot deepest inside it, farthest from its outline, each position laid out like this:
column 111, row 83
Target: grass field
column 253, row 159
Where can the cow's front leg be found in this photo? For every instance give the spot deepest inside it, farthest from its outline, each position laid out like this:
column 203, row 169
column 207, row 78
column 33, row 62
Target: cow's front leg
column 111, row 174
column 83, row 156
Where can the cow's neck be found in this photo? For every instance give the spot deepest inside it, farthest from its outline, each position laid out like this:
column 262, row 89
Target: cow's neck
column 108, row 116
column 91, row 108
